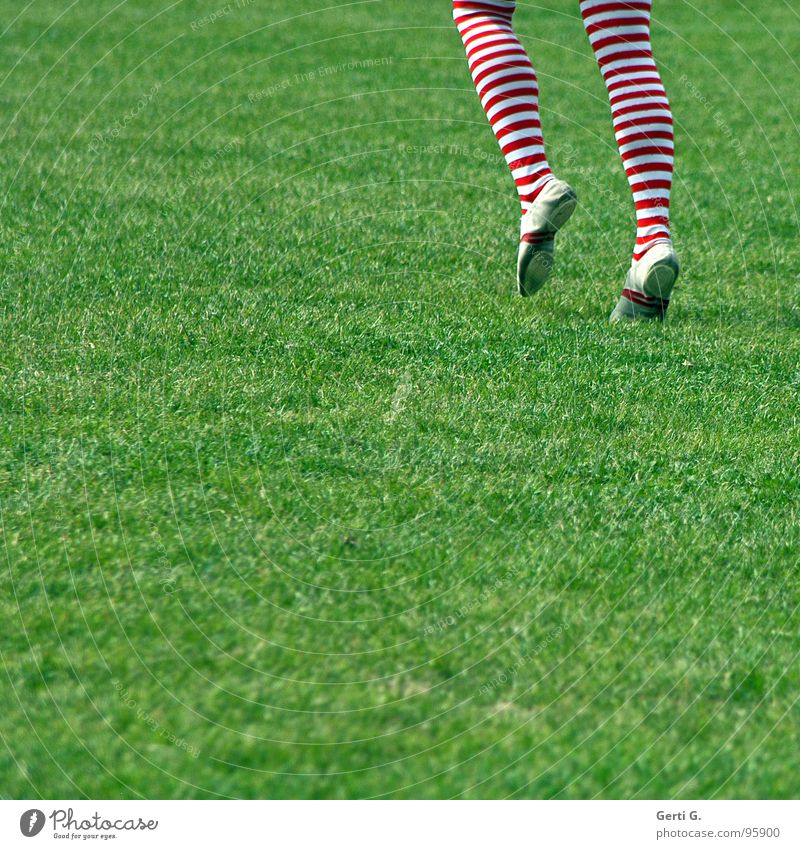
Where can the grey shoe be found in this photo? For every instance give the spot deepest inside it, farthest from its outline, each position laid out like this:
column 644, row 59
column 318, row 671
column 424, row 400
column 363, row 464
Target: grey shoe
column 547, row 215
column 648, row 286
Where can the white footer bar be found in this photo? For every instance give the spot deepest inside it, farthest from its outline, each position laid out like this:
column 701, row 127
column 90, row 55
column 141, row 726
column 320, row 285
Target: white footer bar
column 400, row 825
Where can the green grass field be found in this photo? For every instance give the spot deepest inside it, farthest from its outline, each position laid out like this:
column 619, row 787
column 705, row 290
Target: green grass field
column 298, row 499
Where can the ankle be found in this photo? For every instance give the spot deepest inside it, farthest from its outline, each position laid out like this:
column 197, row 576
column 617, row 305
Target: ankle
column 641, row 251
column 529, row 198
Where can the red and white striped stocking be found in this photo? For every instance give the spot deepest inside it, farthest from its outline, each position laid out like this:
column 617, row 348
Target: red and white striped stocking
column 620, row 36
column 508, row 89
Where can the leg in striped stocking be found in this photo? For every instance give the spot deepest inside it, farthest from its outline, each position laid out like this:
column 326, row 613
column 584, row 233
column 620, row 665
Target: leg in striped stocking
column 509, row 93
column 619, row 33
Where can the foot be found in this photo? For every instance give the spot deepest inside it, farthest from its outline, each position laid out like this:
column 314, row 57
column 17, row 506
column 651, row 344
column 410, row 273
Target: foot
column 648, row 286
column 546, row 216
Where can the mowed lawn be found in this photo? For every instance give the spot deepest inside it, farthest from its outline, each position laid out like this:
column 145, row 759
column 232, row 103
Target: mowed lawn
column 298, row 498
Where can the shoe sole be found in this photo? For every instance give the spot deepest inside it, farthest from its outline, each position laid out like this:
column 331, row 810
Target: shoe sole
column 535, row 260
column 661, row 278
